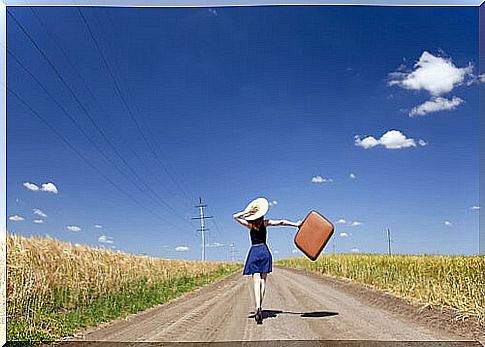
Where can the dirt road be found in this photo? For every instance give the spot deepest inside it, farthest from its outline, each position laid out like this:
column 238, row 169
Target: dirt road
column 297, row 306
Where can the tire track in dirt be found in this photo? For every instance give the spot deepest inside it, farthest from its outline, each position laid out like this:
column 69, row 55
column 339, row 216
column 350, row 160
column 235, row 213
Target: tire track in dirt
column 297, row 306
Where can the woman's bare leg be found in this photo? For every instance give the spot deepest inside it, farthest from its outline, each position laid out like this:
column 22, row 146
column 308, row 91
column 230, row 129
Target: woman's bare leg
column 264, row 275
column 257, row 289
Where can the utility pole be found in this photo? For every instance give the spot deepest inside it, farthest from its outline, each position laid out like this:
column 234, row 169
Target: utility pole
column 389, row 241
column 233, row 254
column 202, row 217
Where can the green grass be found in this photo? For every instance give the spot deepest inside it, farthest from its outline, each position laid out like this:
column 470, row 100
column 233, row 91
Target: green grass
column 52, row 321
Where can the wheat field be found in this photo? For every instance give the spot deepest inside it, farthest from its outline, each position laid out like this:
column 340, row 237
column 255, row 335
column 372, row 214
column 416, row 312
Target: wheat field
column 47, row 277
column 453, row 281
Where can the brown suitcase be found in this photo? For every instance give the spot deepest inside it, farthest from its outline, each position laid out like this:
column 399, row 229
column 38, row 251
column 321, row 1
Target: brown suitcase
column 313, row 234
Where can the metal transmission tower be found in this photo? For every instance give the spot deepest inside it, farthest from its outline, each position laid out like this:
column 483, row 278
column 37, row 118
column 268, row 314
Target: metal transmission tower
column 233, row 252
column 202, row 217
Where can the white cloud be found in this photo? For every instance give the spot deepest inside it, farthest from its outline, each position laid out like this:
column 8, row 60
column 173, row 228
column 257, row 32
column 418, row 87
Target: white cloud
column 352, row 176
column 294, row 251
column 97, row 226
column 273, row 203
column 422, row 143
column 349, row 223
column 481, row 78
column 434, row 74
column 320, row 179
column 436, row 104
column 31, row 186
column 448, row 223
column 475, row 207
column 49, row 187
column 38, row 221
column 182, row 249
column 344, row 235
column 355, row 250
column 16, row 218
column 215, row 244
column 105, row 239
column 73, row 228
column 366, row 142
column 393, row 139
column 39, row 212
column 275, row 251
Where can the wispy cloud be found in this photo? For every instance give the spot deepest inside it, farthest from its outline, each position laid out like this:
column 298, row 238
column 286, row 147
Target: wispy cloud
column 31, row 186
column 352, row 176
column 344, row 235
column 434, row 74
column 319, row 179
column 273, row 203
column 448, row 223
column 393, row 139
column 16, row 218
column 436, row 104
column 182, row 249
column 105, row 239
column 39, row 212
column 354, row 223
column 215, row 244
column 49, row 188
column 73, row 228
column 475, row 207
column 38, row 221
column 98, row 226
column 294, row 251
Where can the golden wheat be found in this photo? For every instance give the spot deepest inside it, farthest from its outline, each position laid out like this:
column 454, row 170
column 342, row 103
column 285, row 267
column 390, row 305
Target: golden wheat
column 44, row 271
column 454, row 281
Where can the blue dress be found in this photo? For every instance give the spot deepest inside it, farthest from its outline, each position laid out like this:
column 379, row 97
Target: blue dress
column 259, row 258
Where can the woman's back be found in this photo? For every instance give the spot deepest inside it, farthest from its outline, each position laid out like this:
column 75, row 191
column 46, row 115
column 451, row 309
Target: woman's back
column 258, row 235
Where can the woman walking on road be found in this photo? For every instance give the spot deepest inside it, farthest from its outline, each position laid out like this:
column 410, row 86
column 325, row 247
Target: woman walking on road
column 259, row 260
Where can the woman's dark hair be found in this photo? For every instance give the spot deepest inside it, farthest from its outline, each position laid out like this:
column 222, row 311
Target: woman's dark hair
column 257, row 223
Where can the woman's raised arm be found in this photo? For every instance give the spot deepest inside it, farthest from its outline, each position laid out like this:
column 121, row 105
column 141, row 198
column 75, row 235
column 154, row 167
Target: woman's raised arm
column 284, row 222
column 238, row 218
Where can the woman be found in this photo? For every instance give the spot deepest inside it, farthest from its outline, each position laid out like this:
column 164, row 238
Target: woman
column 259, row 260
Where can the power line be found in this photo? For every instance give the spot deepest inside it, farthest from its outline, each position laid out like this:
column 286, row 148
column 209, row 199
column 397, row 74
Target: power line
column 214, row 220
column 133, row 118
column 73, row 120
column 66, row 56
column 185, row 189
column 72, row 147
column 186, row 192
column 91, row 119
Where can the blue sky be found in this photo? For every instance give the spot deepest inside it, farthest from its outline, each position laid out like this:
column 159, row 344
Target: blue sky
column 237, row 103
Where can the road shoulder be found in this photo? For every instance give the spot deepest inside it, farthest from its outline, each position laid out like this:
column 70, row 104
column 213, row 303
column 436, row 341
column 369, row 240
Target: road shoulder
column 444, row 319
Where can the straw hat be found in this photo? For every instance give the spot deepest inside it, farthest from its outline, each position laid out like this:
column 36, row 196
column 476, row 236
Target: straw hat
column 256, row 209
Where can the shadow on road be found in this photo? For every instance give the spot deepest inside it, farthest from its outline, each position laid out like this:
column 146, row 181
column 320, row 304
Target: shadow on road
column 314, row 314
